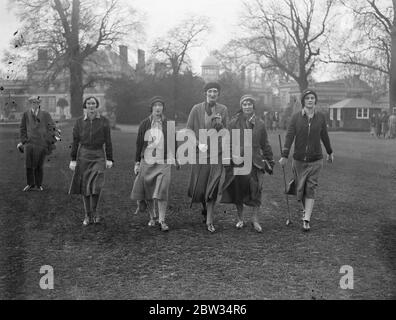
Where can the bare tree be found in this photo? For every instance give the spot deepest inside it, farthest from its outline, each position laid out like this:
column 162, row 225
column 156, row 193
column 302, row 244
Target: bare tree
column 373, row 44
column 72, row 31
column 233, row 57
column 173, row 48
column 286, row 35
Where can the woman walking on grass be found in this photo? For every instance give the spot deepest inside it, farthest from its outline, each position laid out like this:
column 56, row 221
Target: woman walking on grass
column 307, row 128
column 247, row 189
column 151, row 186
column 205, row 177
column 91, row 154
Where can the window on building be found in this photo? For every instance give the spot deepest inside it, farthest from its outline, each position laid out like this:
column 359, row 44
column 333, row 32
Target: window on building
column 362, row 113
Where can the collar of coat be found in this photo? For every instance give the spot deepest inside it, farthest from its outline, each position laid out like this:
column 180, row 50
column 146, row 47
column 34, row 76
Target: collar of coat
column 35, row 113
column 97, row 116
column 160, row 120
column 241, row 117
column 305, row 113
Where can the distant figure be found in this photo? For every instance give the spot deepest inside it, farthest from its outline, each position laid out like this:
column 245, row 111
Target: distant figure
column 91, row 155
column 373, row 120
column 37, row 133
column 112, row 117
column 268, row 120
column 307, row 129
column 378, row 125
column 384, row 124
column 392, row 125
column 275, row 121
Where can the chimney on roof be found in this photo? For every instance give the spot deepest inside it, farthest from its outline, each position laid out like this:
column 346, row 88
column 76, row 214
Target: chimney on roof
column 141, row 60
column 124, row 53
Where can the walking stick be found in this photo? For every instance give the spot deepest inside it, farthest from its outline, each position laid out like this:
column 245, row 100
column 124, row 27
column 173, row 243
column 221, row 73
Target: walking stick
column 288, row 221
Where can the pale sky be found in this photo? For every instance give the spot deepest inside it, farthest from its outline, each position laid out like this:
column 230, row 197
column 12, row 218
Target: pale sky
column 161, row 16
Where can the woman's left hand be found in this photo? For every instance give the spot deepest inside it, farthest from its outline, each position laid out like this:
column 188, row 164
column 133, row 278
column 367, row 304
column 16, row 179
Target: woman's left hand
column 109, row 164
column 177, row 164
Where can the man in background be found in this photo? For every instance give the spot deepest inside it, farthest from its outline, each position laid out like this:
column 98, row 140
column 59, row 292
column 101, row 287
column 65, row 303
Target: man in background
column 37, row 134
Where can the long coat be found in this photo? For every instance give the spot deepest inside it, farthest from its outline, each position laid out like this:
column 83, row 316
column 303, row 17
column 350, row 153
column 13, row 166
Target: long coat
column 205, row 178
column 37, row 133
column 247, row 189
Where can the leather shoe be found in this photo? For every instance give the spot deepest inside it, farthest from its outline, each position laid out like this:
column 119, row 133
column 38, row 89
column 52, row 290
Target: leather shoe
column 27, row 188
column 257, row 227
column 239, row 224
column 306, row 226
column 86, row 222
column 97, row 220
column 164, row 226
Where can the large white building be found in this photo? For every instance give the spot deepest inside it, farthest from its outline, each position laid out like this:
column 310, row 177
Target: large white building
column 251, row 79
column 210, row 69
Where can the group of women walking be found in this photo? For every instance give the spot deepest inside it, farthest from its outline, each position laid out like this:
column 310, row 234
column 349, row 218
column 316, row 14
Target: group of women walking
column 210, row 183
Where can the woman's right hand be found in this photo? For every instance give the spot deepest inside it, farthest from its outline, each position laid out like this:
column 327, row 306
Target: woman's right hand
column 73, row 165
column 136, row 170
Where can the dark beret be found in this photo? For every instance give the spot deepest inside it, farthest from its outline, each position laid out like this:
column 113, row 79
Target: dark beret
column 157, row 99
column 211, row 85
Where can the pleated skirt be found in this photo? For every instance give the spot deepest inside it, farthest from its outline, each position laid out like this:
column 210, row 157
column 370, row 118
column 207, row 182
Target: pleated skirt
column 88, row 178
column 243, row 189
column 204, row 182
column 152, row 182
column 306, row 175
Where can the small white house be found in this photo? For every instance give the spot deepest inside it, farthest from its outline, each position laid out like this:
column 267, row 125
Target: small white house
column 352, row 114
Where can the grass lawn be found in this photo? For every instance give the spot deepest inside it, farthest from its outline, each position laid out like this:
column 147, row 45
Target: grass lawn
column 354, row 223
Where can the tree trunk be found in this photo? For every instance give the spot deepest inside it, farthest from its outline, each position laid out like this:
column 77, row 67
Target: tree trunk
column 302, row 74
column 392, row 77
column 175, row 93
column 303, row 83
column 75, row 66
column 76, row 89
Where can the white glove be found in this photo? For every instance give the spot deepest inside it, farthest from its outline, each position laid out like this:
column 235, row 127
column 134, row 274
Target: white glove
column 203, row 147
column 330, row 158
column 283, row 161
column 73, row 165
column 20, row 147
column 109, row 164
column 137, row 168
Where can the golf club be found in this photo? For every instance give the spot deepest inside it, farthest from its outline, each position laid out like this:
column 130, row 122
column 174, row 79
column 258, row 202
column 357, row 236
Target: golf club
column 288, row 221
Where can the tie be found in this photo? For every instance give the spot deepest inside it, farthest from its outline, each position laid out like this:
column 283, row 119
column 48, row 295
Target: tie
column 35, row 114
